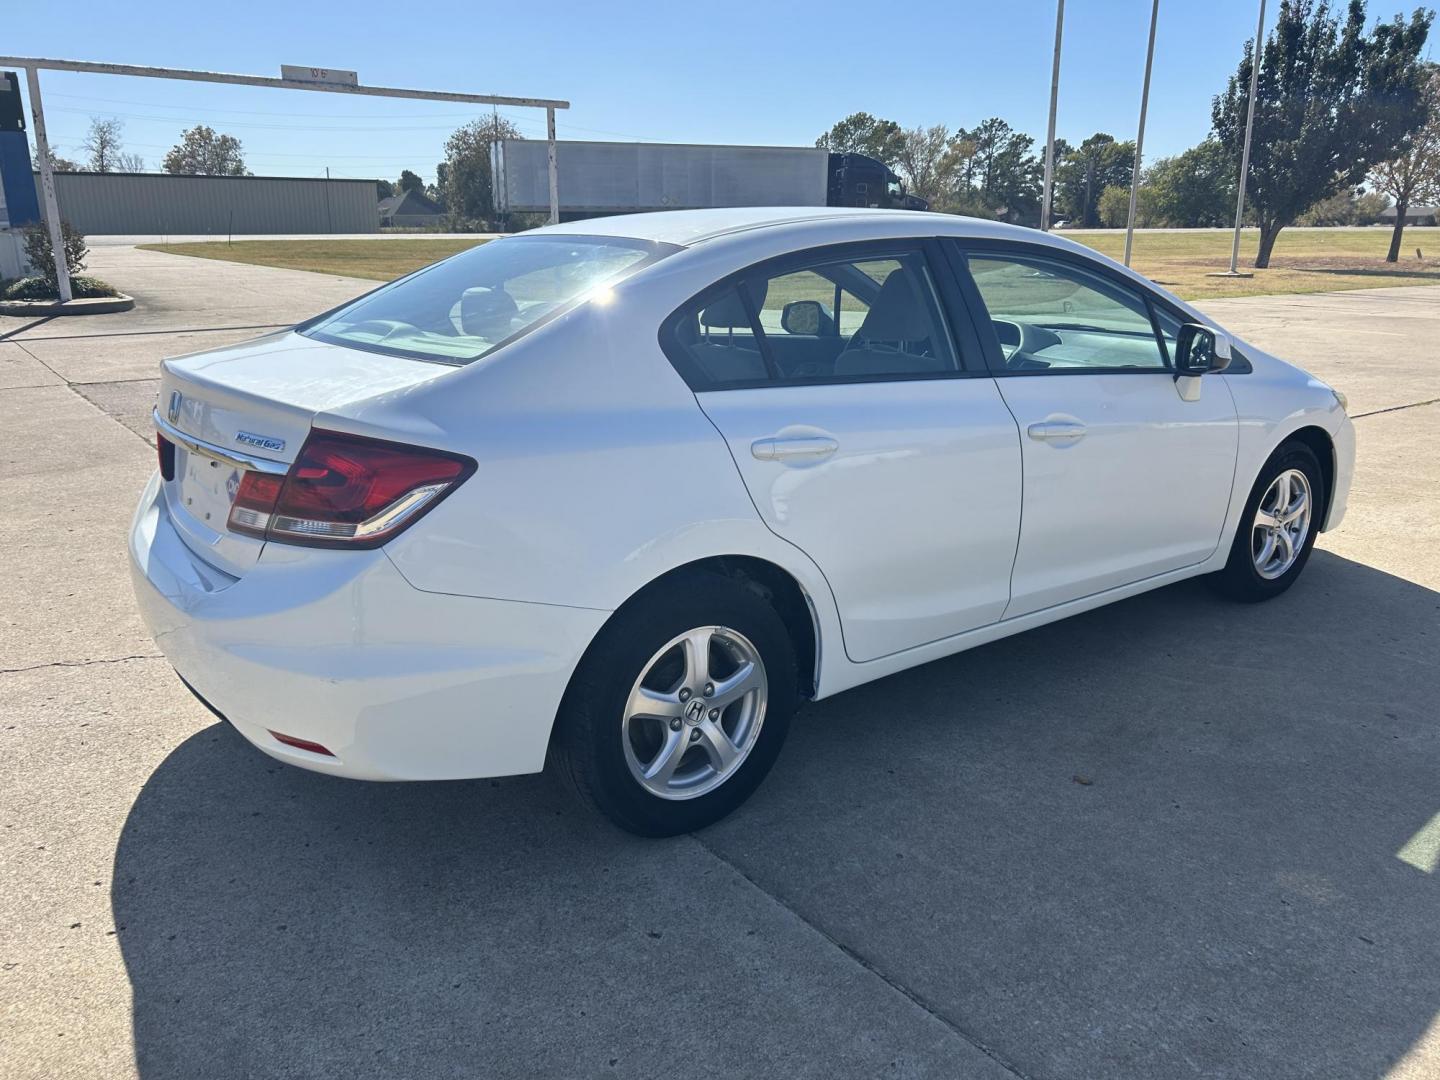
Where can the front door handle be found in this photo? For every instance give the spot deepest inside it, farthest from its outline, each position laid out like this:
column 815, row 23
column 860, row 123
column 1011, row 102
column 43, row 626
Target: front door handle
column 1054, row 430
column 805, row 447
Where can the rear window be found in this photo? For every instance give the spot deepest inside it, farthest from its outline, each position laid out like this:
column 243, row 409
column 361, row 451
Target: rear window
column 472, row 303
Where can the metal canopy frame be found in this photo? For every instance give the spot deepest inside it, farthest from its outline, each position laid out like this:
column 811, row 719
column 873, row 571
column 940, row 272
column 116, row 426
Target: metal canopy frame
column 34, row 64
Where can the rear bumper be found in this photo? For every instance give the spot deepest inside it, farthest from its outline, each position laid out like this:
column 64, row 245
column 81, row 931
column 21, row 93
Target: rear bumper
column 337, row 648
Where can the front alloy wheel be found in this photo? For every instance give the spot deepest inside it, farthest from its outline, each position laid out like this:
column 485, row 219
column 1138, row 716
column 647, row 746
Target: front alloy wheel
column 1278, row 526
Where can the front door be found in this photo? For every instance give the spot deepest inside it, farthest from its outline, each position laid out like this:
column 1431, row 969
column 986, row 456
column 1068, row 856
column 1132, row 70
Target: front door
column 1124, row 478
column 838, row 386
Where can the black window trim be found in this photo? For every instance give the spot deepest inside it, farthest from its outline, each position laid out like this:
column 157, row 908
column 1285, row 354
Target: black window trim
column 957, row 248
column 952, row 311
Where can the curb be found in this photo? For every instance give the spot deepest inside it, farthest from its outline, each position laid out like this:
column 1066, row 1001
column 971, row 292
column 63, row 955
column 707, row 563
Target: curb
column 94, row 305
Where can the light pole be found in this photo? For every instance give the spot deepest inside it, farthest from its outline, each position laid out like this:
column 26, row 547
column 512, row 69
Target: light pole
column 1050, row 134
column 1140, row 134
column 1234, row 270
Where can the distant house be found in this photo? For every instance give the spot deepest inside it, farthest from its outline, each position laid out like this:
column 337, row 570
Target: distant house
column 1415, row 215
column 410, row 210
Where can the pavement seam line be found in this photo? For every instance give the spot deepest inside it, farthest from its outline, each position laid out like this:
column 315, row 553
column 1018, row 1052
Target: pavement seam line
column 42, row 363
column 83, row 663
column 900, row 988
column 1396, row 408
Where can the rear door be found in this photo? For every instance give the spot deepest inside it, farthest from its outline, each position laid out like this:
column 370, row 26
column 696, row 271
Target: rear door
column 854, row 400
column 1124, row 478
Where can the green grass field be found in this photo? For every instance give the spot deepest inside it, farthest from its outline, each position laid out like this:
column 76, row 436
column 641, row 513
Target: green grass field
column 1304, row 261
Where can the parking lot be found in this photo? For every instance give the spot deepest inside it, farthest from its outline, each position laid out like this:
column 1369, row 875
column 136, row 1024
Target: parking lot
column 1172, row 837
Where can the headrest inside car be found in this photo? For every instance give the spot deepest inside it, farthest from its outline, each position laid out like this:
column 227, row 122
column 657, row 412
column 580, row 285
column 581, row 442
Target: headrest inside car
column 728, row 311
column 487, row 313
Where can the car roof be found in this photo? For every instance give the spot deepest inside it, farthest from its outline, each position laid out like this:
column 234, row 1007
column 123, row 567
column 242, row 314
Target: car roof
column 689, row 227
column 812, row 226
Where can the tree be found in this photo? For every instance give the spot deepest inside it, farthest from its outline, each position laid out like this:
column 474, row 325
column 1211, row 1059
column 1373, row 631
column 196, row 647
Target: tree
column 1350, row 206
column 861, row 133
column 203, row 152
column 1195, row 189
column 409, row 181
column 1332, row 102
column 103, row 148
column 57, row 163
column 465, row 178
column 1412, row 177
column 931, row 159
column 102, row 144
column 436, row 191
column 384, row 189
column 1001, row 168
column 1099, row 162
column 1113, row 207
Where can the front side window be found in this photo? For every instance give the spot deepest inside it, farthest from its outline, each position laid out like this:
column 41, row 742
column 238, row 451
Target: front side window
column 458, row 310
column 1051, row 316
column 830, row 320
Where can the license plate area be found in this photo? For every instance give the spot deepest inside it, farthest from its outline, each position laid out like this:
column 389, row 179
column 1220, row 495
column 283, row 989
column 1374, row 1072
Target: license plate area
column 206, row 486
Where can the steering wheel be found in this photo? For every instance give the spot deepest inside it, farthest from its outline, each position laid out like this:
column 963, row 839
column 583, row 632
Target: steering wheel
column 384, row 327
column 1020, row 341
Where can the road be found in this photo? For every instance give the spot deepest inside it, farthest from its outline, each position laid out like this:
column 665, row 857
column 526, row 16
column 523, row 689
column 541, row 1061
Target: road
column 1173, row 837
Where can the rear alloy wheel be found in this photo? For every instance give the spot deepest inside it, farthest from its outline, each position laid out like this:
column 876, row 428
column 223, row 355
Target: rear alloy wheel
column 680, row 707
column 1277, row 530
column 695, row 712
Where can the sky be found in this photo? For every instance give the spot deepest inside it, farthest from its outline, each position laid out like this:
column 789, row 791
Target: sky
column 767, row 73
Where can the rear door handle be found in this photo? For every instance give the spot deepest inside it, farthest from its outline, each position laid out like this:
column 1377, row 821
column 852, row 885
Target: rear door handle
column 807, row 447
column 1051, row 430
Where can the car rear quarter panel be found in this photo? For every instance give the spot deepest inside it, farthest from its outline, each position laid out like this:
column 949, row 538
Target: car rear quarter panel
column 598, row 472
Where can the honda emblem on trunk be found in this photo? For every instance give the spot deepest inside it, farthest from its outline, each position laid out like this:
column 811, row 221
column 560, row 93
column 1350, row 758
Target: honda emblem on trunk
column 174, row 411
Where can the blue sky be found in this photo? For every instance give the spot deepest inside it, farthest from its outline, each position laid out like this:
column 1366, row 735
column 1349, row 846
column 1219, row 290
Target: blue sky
column 738, row 72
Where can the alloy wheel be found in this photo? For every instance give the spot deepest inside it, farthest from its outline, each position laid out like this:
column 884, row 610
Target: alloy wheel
column 1282, row 523
column 695, row 712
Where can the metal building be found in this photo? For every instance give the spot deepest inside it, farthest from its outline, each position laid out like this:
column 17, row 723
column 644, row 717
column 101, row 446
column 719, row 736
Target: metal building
column 159, row 203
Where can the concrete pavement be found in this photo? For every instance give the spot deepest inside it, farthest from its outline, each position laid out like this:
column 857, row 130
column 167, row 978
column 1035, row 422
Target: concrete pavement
column 1174, row 837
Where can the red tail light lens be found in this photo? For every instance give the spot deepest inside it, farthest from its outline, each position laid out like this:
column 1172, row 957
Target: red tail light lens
column 346, row 491
column 165, row 450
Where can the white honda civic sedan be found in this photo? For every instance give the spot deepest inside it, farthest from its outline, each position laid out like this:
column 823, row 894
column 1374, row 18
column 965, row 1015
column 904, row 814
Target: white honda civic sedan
column 625, row 492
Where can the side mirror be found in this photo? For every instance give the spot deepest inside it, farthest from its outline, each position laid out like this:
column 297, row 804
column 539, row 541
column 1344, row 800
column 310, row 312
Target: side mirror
column 807, row 317
column 1200, row 350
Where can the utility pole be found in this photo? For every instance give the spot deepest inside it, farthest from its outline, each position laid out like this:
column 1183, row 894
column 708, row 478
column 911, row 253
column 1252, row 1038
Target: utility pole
column 1140, row 134
column 1234, row 270
column 1050, row 134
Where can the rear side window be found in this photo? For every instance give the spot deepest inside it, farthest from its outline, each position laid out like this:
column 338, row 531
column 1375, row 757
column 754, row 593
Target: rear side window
column 458, row 310
column 828, row 320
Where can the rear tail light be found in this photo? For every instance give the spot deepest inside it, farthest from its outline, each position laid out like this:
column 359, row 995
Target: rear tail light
column 346, row 491
column 165, row 450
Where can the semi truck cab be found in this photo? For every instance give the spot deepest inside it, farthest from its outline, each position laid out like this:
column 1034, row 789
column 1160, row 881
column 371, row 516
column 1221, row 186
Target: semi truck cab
column 859, row 180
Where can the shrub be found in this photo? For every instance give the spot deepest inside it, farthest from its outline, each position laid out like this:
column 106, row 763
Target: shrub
column 42, row 261
column 38, row 288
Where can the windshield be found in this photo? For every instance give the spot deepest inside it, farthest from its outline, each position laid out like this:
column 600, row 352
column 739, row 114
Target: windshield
column 458, row 310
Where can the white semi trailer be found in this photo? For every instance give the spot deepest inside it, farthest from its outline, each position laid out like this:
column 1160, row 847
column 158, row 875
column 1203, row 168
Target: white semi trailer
column 621, row 178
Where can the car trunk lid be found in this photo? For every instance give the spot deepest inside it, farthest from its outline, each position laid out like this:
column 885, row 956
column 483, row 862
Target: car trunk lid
column 251, row 406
